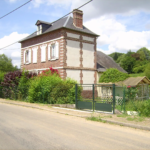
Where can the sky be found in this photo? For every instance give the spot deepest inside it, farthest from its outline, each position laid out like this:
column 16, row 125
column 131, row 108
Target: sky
column 123, row 25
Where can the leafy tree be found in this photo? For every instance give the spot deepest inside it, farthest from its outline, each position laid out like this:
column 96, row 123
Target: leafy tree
column 113, row 75
column 115, row 55
column 128, row 63
column 6, row 64
column 144, row 53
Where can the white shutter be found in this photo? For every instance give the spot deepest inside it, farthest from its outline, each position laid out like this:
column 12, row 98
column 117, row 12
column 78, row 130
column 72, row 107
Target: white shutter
column 29, row 55
column 35, row 54
column 43, row 52
column 49, row 52
column 25, row 57
column 57, row 50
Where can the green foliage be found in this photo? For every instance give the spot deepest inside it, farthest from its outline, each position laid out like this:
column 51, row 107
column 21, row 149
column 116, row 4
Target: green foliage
column 137, row 75
column 113, row 75
column 139, row 69
column 115, row 55
column 133, row 62
column 6, row 64
column 147, row 71
column 131, row 92
column 128, row 63
column 41, row 87
column 2, row 74
column 142, row 107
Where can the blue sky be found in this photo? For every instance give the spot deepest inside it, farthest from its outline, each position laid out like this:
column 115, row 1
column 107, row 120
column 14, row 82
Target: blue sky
column 122, row 25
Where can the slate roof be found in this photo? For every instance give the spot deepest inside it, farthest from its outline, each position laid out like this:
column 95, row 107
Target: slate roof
column 66, row 22
column 105, row 62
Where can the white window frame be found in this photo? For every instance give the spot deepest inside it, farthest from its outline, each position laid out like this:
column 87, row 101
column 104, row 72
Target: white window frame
column 27, row 56
column 53, row 51
column 39, row 29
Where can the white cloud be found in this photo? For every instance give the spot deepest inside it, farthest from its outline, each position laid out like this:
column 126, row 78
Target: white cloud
column 13, row 51
column 116, row 36
column 37, row 3
column 98, row 8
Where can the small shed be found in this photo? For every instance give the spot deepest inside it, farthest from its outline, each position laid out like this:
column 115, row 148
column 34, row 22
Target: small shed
column 142, row 83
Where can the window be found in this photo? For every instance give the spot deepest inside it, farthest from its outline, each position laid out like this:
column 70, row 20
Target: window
column 27, row 56
column 53, row 51
column 39, row 29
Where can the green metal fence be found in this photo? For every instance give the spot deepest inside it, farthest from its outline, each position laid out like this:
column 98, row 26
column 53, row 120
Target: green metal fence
column 96, row 97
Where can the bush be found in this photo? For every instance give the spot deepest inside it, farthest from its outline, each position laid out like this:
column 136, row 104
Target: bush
column 113, row 75
column 41, row 87
column 142, row 107
column 147, row 71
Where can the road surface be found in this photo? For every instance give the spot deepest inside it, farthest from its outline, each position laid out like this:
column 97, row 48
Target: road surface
column 24, row 128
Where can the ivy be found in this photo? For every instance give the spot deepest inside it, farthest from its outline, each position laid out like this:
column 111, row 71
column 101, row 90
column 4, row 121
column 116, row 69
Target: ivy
column 113, row 75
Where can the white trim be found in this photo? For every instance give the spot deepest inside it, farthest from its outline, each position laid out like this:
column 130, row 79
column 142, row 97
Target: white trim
column 43, row 43
column 46, row 68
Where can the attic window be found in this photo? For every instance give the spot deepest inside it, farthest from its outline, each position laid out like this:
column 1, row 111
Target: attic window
column 39, row 29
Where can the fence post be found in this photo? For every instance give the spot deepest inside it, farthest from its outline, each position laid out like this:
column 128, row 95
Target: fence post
column 124, row 98
column 113, row 98
column 93, row 97
column 76, row 88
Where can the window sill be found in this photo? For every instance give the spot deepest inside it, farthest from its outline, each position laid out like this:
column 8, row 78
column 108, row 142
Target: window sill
column 43, row 61
column 35, row 63
column 53, row 59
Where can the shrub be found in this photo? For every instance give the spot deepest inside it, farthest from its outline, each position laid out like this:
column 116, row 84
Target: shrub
column 41, row 87
column 147, row 71
column 144, row 108
column 113, row 75
column 48, row 87
column 12, row 81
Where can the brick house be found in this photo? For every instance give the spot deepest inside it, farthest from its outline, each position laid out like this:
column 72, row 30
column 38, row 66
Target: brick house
column 66, row 45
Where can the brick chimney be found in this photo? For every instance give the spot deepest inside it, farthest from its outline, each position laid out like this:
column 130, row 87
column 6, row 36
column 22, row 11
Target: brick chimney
column 78, row 18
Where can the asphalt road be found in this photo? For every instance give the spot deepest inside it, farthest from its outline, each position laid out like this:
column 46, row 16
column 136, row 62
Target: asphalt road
column 24, row 128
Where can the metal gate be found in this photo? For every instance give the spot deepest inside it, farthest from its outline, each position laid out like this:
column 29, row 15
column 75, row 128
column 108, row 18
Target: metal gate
column 95, row 97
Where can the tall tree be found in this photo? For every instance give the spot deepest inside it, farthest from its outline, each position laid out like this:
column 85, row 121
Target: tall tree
column 6, row 64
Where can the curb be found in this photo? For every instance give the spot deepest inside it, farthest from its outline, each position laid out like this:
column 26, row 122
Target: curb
column 108, row 121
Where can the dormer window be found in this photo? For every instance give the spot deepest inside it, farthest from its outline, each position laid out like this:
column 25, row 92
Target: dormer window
column 39, row 29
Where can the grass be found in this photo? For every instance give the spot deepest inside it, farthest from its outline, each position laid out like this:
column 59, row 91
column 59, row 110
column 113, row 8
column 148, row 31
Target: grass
column 132, row 118
column 135, row 118
column 122, row 115
column 137, row 75
column 97, row 119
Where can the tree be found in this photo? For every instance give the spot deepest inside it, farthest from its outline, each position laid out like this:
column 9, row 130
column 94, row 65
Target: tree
column 6, row 64
column 128, row 63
